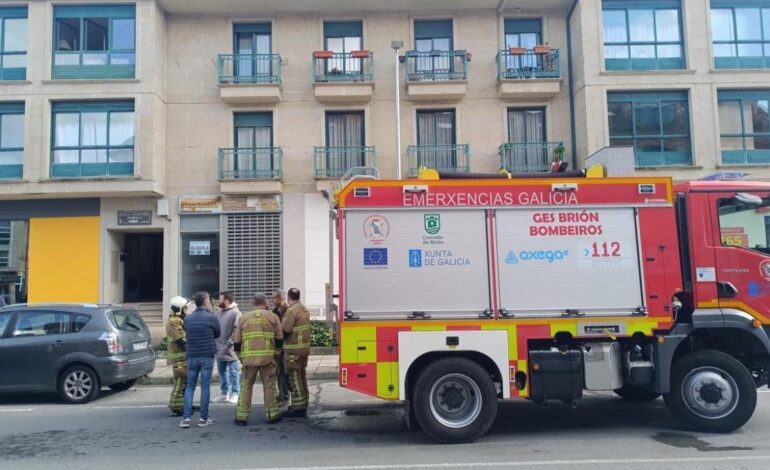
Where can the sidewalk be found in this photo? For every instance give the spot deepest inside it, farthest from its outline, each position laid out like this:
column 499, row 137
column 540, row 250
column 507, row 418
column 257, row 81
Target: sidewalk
column 318, row 368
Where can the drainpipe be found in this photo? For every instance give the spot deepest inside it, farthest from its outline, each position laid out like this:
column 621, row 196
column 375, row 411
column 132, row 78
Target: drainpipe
column 571, row 84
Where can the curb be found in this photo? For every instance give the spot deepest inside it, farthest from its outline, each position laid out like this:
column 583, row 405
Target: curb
column 215, row 379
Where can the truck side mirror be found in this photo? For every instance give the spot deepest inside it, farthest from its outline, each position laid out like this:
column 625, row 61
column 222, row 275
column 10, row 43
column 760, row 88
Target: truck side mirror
column 748, row 199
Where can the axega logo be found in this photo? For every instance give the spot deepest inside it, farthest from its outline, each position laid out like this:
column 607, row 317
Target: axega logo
column 549, row 256
column 376, row 229
column 432, row 224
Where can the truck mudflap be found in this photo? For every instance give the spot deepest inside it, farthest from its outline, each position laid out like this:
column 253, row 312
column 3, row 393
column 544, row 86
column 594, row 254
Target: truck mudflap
column 712, row 318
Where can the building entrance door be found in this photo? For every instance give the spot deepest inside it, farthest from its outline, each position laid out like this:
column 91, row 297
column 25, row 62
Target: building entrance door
column 143, row 267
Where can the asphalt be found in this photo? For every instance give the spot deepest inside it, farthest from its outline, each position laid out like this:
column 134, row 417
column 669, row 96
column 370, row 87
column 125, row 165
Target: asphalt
column 346, row 430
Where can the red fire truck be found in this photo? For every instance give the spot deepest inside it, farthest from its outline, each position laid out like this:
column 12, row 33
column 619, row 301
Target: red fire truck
column 455, row 293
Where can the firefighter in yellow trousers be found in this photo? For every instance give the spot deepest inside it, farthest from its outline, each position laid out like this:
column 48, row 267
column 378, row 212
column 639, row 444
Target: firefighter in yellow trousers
column 175, row 353
column 296, row 327
column 258, row 338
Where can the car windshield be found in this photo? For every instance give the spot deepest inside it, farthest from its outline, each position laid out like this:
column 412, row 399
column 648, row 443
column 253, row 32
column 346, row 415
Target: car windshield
column 127, row 320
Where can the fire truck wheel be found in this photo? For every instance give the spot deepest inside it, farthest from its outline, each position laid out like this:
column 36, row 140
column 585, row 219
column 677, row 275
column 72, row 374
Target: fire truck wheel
column 636, row 394
column 454, row 400
column 711, row 391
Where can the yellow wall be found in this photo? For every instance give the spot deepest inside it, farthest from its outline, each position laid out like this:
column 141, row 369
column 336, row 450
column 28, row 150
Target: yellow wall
column 64, row 259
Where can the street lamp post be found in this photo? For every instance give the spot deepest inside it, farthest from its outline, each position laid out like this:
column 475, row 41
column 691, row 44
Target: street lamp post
column 397, row 45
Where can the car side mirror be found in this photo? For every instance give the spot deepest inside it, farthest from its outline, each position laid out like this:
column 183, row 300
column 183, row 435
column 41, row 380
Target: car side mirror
column 748, row 199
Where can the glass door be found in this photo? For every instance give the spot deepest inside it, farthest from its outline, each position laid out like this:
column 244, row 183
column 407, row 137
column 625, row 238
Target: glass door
column 436, row 139
column 253, row 48
column 526, row 129
column 345, row 141
column 254, row 144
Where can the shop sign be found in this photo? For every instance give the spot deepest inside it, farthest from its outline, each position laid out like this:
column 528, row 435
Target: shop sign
column 229, row 204
column 200, row 248
column 134, row 217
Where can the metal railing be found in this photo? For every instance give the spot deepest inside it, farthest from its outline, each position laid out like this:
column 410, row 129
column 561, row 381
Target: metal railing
column 528, row 64
column 436, row 65
column 456, row 157
column 248, row 68
column 344, row 67
column 532, row 157
column 334, row 162
column 250, row 163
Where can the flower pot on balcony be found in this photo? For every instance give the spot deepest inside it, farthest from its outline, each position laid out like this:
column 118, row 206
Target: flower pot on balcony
column 542, row 50
column 517, row 50
column 360, row 54
column 323, row 54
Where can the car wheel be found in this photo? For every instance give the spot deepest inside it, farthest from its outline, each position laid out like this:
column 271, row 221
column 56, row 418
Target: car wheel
column 79, row 384
column 455, row 400
column 122, row 386
column 636, row 394
column 711, row 391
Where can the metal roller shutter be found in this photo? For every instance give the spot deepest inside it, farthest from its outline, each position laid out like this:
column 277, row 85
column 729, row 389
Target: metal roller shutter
column 253, row 255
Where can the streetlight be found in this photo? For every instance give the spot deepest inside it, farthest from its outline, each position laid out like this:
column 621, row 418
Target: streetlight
column 396, row 45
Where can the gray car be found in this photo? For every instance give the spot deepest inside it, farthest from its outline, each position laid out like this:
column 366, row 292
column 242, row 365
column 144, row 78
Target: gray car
column 74, row 350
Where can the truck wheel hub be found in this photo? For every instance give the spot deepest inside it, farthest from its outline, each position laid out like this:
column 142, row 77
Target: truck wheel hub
column 710, row 392
column 455, row 400
column 452, row 397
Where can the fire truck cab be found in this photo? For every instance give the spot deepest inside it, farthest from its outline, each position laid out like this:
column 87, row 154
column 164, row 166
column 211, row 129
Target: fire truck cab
column 456, row 293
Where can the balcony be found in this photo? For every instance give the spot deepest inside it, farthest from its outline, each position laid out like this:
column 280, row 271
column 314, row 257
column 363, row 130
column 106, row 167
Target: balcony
column 534, row 157
column 343, row 77
column 97, row 65
column 250, row 170
column 527, row 74
column 436, row 75
column 249, row 78
column 333, row 162
column 449, row 158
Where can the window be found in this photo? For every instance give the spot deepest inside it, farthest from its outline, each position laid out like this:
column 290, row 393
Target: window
column 342, row 38
column 253, row 45
column 526, row 33
column 127, row 320
column 744, row 126
column 5, row 319
column 13, row 43
column 643, row 37
column 345, row 141
column 78, row 322
column 94, row 41
column 744, row 225
column 11, row 140
column 436, row 139
column 657, row 125
column 5, row 243
column 433, row 43
column 92, row 139
column 42, row 323
column 740, row 35
column 254, row 143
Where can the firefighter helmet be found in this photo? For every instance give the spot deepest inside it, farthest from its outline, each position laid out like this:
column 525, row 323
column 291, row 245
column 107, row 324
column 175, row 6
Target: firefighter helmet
column 178, row 303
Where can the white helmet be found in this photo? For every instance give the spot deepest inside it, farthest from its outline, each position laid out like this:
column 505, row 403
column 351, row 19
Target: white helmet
column 178, row 303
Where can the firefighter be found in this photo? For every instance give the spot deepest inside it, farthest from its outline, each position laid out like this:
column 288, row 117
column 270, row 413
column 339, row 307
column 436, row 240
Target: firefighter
column 175, row 353
column 296, row 328
column 279, row 300
column 258, row 337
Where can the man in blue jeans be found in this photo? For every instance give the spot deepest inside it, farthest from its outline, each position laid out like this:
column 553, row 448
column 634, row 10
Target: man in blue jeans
column 202, row 330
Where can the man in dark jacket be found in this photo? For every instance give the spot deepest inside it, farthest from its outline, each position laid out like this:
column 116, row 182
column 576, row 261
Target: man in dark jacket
column 202, row 330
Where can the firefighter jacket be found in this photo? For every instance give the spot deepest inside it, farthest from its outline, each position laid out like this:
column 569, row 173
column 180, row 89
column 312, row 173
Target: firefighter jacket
column 296, row 325
column 174, row 333
column 257, row 332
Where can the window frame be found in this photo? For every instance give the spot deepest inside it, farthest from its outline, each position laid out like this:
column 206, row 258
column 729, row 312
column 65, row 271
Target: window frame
column 656, row 62
column 13, row 171
column 21, row 313
column 766, row 203
column 745, row 156
column 665, row 158
column 120, row 169
column 737, row 61
column 350, row 66
column 13, row 73
column 6, row 247
column 101, row 71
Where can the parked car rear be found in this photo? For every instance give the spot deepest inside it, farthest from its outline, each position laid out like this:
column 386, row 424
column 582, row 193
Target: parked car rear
column 74, row 350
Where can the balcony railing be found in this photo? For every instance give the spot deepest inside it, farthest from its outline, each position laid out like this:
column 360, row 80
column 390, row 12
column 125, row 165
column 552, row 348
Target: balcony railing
column 92, row 170
column 455, row 158
column 333, row 162
column 250, row 163
column 436, row 65
column 533, row 157
column 356, row 66
column 515, row 63
column 248, row 68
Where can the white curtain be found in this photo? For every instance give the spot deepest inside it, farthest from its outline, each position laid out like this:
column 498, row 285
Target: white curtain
column 345, row 130
column 526, row 127
column 67, row 132
column 436, row 129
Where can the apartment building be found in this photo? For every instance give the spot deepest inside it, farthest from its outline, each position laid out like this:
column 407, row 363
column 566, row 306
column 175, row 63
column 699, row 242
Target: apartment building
column 159, row 147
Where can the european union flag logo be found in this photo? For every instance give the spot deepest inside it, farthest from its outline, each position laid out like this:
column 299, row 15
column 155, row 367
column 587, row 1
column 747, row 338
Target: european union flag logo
column 415, row 258
column 375, row 256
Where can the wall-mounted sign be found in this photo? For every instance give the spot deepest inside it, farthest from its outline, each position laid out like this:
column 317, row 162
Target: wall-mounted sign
column 200, row 247
column 229, row 204
column 134, row 217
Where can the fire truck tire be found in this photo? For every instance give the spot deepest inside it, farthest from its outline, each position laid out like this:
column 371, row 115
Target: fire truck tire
column 455, row 400
column 636, row 394
column 711, row 391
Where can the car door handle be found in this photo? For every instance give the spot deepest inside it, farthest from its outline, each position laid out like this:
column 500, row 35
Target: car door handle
column 726, row 290
column 58, row 343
